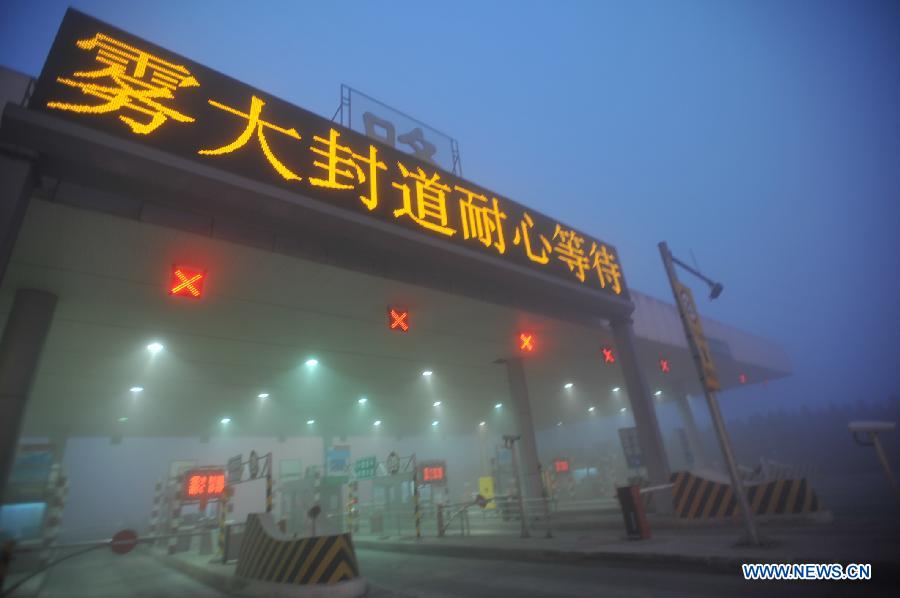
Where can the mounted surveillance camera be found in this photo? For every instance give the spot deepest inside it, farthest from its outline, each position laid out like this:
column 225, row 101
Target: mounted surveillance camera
column 872, row 426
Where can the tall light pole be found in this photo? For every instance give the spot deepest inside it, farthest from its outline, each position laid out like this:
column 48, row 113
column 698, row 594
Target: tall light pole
column 693, row 330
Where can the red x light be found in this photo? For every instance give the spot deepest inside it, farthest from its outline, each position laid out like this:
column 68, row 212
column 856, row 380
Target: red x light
column 527, row 342
column 398, row 319
column 186, row 282
column 664, row 366
column 743, row 378
column 608, row 356
column 561, row 465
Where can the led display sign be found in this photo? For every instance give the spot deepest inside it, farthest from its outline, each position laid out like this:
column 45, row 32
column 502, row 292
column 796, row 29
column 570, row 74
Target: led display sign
column 433, row 474
column 204, row 484
column 101, row 77
column 561, row 466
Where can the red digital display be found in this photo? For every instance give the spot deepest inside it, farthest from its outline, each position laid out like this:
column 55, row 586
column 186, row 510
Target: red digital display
column 433, row 474
column 527, row 342
column 204, row 484
column 664, row 366
column 398, row 319
column 561, row 465
column 608, row 355
column 186, row 282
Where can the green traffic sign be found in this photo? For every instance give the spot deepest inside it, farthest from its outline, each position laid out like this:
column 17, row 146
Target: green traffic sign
column 365, row 468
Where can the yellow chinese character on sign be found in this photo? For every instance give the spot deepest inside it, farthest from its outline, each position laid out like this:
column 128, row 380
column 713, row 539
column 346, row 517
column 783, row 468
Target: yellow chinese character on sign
column 258, row 125
column 430, row 210
column 604, row 264
column 139, row 83
column 482, row 222
column 341, row 160
column 524, row 237
column 570, row 248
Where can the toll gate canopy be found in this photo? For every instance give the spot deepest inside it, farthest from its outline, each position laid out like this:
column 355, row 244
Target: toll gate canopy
column 234, row 273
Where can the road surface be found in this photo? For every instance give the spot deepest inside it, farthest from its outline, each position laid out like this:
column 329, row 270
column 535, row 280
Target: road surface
column 404, row 575
column 101, row 574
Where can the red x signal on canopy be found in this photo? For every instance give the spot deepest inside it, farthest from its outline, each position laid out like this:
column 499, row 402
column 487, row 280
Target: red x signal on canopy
column 399, row 319
column 186, row 282
column 526, row 342
column 608, row 356
column 664, row 365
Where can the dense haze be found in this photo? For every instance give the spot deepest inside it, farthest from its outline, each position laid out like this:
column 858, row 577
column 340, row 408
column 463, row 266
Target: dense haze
column 762, row 137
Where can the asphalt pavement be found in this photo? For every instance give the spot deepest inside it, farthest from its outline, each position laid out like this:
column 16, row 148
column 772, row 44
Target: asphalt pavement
column 102, row 574
column 400, row 575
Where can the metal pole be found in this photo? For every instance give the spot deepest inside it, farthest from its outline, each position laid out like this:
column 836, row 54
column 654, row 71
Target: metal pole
column 417, row 514
column 544, row 500
column 737, row 485
column 269, row 485
column 882, row 456
column 223, row 513
column 511, row 443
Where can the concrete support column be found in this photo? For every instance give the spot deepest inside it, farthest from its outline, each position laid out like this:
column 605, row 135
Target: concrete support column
column 682, row 400
column 643, row 410
column 20, row 351
column 16, row 185
column 529, row 465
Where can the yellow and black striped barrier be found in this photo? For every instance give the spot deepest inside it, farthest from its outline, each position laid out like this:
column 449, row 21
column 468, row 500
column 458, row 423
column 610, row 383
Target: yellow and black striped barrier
column 302, row 561
column 700, row 498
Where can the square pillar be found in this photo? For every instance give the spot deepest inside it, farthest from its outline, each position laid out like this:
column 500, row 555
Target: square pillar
column 644, row 412
column 682, row 400
column 529, row 465
column 16, row 184
column 20, row 352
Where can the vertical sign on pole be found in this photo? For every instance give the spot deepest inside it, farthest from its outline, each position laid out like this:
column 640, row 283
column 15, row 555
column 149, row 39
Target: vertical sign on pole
column 687, row 309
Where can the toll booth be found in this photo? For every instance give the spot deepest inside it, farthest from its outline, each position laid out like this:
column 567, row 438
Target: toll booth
column 561, row 486
column 432, row 478
column 32, row 508
column 505, row 488
column 299, row 497
column 389, row 508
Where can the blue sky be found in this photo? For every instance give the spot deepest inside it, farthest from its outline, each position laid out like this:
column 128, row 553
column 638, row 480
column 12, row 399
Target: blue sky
column 762, row 136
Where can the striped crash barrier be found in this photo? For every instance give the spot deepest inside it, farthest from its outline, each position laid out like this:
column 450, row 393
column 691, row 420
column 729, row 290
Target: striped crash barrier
column 276, row 560
column 700, row 498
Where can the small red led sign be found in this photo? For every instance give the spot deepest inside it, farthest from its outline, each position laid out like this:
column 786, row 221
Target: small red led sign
column 561, row 466
column 608, row 355
column 204, row 484
column 664, row 366
column 527, row 342
column 398, row 319
column 186, row 282
column 433, row 474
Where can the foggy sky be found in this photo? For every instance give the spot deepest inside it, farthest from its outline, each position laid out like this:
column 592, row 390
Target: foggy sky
column 763, row 137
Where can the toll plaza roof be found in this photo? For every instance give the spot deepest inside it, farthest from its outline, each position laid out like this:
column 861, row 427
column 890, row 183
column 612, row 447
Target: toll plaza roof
column 286, row 279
